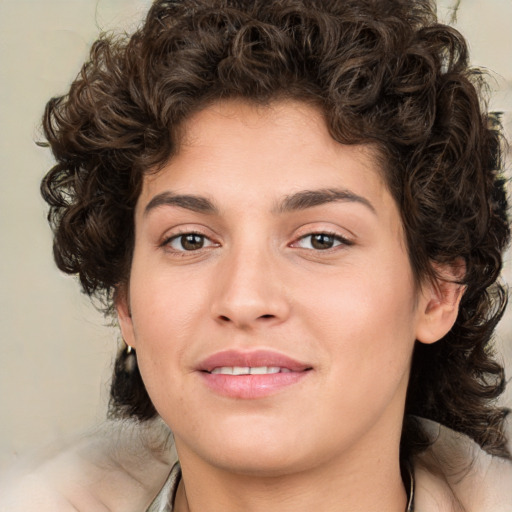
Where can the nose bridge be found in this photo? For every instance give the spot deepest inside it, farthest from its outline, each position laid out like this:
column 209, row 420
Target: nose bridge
column 246, row 288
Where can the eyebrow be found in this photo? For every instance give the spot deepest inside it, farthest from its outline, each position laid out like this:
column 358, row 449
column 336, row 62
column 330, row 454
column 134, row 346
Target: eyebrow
column 299, row 201
column 194, row 203
column 311, row 198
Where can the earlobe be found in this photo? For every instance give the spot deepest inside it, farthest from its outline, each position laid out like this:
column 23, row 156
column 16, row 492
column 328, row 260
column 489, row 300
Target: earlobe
column 124, row 316
column 439, row 303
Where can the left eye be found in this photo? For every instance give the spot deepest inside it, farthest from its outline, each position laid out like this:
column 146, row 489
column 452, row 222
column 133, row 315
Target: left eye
column 320, row 241
column 189, row 242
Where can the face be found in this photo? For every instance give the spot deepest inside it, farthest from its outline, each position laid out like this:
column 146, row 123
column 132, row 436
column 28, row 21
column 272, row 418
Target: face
column 266, row 249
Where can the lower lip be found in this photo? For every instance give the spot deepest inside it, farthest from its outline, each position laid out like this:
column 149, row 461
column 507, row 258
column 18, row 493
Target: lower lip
column 251, row 386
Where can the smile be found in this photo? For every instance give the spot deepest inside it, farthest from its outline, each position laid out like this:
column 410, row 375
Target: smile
column 247, row 370
column 251, row 375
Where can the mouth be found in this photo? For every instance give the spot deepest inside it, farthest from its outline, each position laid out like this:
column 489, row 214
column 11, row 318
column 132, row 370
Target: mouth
column 256, row 362
column 247, row 370
column 251, row 375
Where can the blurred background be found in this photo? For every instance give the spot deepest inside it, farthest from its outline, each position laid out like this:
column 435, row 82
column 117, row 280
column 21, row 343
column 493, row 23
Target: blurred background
column 56, row 351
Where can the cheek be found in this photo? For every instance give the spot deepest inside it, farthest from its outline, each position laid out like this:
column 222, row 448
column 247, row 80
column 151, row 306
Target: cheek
column 164, row 307
column 163, row 318
column 366, row 320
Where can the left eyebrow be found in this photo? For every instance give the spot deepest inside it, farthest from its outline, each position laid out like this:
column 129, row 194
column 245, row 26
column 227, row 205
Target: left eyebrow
column 191, row 202
column 311, row 198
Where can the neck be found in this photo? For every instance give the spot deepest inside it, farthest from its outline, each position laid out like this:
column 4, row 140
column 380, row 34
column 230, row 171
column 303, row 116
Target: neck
column 371, row 483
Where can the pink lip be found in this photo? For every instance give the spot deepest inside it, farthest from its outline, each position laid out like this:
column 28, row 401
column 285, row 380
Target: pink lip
column 254, row 358
column 251, row 386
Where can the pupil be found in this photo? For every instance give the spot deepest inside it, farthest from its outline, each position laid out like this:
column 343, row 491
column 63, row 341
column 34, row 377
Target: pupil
column 192, row 242
column 322, row 241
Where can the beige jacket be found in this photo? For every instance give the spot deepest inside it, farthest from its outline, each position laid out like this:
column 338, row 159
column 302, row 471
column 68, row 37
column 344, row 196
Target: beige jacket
column 112, row 469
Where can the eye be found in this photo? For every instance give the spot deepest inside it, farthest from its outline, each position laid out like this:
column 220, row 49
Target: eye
column 321, row 241
column 189, row 242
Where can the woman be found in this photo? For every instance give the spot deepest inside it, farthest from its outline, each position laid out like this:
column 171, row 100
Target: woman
column 296, row 211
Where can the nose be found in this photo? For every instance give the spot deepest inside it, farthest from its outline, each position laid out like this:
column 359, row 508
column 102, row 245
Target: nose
column 248, row 291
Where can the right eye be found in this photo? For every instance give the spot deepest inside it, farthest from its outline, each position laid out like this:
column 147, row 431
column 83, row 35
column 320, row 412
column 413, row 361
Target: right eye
column 189, row 242
column 321, row 241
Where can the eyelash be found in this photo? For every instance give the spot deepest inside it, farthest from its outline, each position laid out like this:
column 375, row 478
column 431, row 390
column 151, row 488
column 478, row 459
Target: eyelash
column 167, row 242
column 336, row 238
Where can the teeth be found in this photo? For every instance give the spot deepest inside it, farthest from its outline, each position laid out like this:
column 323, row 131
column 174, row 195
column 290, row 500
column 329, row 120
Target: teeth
column 225, row 370
column 240, row 370
column 261, row 370
column 245, row 370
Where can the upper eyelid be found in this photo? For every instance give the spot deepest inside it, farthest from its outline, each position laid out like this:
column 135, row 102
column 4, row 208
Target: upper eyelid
column 342, row 239
column 306, row 232
column 177, row 231
column 186, row 232
column 328, row 226
column 324, row 232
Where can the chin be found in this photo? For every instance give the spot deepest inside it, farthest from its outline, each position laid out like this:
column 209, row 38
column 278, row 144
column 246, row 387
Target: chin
column 251, row 450
column 261, row 462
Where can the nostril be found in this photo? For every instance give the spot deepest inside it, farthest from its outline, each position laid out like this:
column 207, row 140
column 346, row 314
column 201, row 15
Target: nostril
column 244, row 320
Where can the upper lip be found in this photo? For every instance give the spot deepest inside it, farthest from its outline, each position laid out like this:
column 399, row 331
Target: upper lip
column 255, row 358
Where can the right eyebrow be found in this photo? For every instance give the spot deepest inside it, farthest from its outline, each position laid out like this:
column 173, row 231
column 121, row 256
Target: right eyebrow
column 191, row 202
column 310, row 198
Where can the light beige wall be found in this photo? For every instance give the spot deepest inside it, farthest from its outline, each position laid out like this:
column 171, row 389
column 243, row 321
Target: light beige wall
column 487, row 24
column 55, row 352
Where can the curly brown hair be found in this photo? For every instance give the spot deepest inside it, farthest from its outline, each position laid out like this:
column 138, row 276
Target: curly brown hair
column 383, row 72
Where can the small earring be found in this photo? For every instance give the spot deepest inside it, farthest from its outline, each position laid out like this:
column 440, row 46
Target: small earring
column 130, row 361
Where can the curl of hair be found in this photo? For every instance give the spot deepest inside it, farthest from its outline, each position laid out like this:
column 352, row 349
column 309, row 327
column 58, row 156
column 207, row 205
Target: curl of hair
column 384, row 72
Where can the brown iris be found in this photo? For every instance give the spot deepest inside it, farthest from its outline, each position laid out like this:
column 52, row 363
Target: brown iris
column 322, row 241
column 192, row 242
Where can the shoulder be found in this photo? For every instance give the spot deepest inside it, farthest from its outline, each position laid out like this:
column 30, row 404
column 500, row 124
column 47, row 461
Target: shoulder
column 456, row 475
column 119, row 466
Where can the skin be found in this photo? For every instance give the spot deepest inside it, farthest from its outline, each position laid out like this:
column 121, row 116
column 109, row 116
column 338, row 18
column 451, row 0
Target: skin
column 351, row 312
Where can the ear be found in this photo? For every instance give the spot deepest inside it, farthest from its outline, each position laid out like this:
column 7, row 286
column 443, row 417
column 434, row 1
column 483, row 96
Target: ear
column 439, row 302
column 124, row 315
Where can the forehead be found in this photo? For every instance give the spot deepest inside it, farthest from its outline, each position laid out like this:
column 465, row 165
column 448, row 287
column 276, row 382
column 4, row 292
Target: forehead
column 284, row 145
